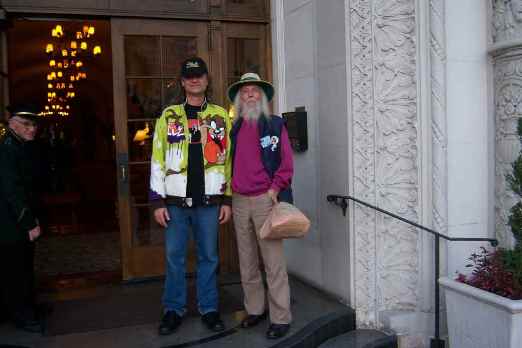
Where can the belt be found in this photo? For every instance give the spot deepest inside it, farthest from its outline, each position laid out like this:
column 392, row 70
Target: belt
column 187, row 202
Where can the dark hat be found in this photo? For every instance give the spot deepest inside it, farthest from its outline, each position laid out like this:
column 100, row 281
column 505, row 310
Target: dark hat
column 193, row 67
column 250, row 79
column 26, row 110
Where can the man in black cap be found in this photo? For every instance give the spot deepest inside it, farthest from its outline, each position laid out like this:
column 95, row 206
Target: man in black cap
column 20, row 227
column 190, row 190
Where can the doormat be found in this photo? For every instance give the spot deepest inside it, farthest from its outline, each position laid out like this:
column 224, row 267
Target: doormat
column 124, row 305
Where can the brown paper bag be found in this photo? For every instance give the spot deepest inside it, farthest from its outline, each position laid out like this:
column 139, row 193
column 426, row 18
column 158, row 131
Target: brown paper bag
column 284, row 221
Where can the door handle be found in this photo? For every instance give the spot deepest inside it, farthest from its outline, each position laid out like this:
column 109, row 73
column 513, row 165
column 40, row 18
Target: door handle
column 123, row 173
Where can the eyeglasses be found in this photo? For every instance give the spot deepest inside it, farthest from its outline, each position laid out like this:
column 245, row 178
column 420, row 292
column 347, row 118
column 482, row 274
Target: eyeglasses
column 25, row 123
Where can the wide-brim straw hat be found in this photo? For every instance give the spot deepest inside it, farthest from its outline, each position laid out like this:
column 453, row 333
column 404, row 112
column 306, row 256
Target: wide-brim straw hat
column 250, row 79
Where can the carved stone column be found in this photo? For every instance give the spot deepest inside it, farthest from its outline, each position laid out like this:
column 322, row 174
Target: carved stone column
column 507, row 61
column 385, row 137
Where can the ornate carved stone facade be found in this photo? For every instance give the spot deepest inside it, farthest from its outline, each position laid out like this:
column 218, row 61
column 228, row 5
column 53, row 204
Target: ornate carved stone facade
column 438, row 116
column 363, row 159
column 507, row 56
column 385, row 161
column 507, row 20
column 508, row 109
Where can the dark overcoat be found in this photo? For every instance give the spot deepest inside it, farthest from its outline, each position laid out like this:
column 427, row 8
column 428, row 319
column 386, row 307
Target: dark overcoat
column 17, row 198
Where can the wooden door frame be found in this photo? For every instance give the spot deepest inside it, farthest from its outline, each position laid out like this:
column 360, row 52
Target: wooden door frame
column 244, row 30
column 212, row 35
column 133, row 265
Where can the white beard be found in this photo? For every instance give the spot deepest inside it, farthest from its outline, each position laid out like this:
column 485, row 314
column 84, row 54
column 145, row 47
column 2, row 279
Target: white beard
column 251, row 112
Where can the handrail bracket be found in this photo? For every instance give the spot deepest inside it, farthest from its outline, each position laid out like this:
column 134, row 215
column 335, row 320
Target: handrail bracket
column 339, row 201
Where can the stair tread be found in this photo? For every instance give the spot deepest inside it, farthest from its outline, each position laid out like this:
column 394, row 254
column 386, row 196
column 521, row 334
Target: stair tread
column 361, row 338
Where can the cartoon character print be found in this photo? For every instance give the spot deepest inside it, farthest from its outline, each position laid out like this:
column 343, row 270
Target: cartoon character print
column 194, row 131
column 175, row 131
column 175, row 138
column 215, row 142
column 270, row 141
column 274, row 141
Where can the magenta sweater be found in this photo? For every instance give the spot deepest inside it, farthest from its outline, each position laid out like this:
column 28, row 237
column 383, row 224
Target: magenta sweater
column 250, row 177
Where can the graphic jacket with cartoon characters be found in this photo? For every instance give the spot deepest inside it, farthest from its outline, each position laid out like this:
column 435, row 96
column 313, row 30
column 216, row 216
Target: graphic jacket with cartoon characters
column 169, row 162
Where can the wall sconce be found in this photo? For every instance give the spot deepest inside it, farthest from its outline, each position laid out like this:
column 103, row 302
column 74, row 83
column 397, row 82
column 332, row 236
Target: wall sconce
column 142, row 135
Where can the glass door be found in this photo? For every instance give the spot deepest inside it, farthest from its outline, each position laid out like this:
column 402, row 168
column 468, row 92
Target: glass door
column 246, row 49
column 146, row 59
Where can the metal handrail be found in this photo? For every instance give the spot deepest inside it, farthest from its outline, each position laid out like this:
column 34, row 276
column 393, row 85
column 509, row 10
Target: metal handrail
column 342, row 201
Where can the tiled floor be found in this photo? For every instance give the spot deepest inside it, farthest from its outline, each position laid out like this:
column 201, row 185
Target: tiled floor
column 77, row 253
column 308, row 304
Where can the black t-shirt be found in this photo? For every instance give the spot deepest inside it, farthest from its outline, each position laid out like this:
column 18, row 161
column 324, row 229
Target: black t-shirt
column 195, row 171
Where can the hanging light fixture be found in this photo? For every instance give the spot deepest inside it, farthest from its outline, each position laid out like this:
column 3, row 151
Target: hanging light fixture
column 67, row 71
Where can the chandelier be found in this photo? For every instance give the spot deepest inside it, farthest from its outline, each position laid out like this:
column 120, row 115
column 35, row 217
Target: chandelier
column 66, row 52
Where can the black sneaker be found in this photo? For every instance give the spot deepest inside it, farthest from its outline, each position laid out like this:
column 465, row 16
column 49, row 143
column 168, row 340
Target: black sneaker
column 213, row 321
column 169, row 323
column 277, row 330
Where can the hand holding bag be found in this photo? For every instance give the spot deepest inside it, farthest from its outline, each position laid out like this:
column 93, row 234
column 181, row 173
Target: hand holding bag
column 284, row 221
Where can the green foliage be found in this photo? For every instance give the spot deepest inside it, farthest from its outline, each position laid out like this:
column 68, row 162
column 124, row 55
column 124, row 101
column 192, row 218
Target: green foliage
column 515, row 180
column 512, row 260
column 515, row 221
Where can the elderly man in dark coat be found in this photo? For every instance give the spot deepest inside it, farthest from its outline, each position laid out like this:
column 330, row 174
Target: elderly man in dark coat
column 18, row 221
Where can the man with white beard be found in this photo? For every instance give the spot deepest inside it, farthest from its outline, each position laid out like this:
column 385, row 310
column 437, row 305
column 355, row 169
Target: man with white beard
column 261, row 176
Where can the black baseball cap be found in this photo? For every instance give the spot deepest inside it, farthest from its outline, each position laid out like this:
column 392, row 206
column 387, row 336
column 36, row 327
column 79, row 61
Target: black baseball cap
column 193, row 67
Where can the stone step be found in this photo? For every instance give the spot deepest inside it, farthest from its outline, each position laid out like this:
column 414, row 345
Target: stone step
column 321, row 330
column 362, row 338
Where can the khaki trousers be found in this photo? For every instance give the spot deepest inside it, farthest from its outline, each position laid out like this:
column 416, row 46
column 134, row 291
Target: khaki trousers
column 249, row 214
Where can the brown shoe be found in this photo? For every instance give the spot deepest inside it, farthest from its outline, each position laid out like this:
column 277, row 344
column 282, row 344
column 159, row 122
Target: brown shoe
column 252, row 320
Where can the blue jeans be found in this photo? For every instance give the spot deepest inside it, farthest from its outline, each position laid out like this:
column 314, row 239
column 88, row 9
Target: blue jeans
column 204, row 222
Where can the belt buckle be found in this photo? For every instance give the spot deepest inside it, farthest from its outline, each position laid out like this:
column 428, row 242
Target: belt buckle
column 188, row 202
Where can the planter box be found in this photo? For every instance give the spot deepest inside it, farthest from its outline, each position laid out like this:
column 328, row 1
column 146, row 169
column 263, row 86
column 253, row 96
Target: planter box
column 477, row 318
